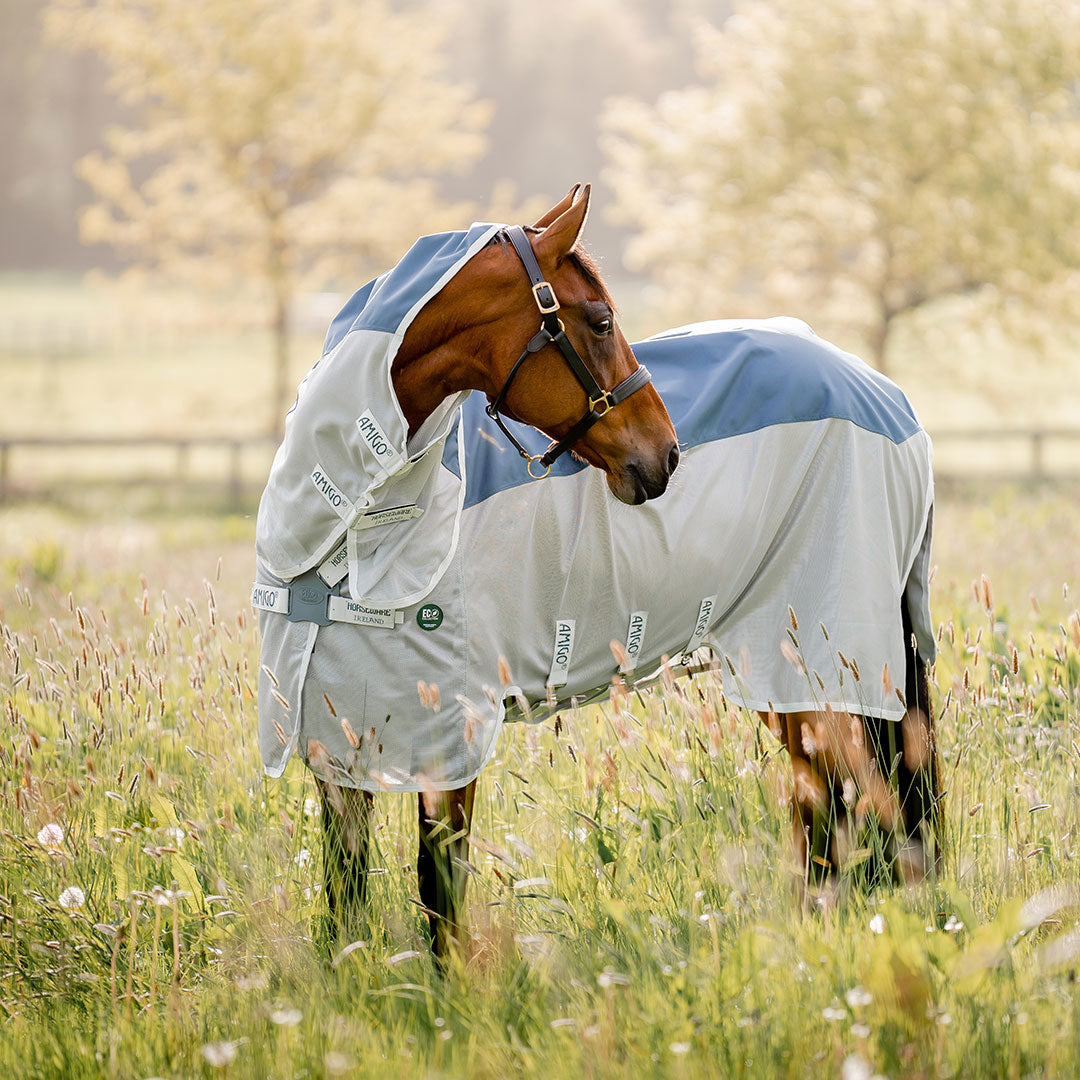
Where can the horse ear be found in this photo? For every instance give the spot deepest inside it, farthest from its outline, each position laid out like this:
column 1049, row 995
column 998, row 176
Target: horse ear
column 559, row 238
column 557, row 209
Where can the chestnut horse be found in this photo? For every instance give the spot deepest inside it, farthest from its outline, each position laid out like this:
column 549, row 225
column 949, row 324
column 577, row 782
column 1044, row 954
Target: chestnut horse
column 580, row 383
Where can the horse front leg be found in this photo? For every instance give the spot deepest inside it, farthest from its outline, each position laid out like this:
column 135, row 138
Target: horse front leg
column 346, row 821
column 445, row 817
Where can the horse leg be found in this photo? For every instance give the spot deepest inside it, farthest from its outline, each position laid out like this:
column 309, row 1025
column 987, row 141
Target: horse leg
column 445, row 817
column 346, row 818
column 836, row 783
column 918, row 775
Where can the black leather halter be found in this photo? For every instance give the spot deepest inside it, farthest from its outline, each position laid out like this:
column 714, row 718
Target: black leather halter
column 551, row 332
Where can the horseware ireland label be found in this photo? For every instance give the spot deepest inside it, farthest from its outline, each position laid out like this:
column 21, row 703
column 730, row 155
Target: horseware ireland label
column 370, row 519
column 635, row 635
column 330, row 492
column 704, row 618
column 564, row 648
column 336, row 566
column 376, row 439
column 342, row 609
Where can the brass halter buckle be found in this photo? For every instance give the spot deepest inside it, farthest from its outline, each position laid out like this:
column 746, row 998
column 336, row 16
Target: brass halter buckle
column 529, row 459
column 548, row 307
column 601, row 405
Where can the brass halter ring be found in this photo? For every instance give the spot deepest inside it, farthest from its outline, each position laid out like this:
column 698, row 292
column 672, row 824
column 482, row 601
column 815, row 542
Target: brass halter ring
column 529, row 459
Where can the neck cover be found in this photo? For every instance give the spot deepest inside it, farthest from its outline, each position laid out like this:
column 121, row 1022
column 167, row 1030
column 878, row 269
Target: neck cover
column 346, row 466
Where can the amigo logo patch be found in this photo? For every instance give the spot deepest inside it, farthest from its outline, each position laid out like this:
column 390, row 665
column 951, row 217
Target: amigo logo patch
column 374, row 436
column 562, row 652
column 270, row 598
column 330, row 492
column 704, row 620
column 635, row 638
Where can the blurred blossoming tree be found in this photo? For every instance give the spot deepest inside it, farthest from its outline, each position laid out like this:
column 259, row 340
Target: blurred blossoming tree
column 850, row 162
column 275, row 144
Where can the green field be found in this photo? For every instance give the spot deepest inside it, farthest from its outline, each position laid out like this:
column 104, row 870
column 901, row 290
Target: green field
column 631, row 911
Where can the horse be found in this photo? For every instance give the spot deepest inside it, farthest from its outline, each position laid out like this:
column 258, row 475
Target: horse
column 432, row 564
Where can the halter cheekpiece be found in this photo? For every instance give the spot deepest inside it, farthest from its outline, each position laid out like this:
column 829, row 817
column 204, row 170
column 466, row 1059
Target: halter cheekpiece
column 551, row 332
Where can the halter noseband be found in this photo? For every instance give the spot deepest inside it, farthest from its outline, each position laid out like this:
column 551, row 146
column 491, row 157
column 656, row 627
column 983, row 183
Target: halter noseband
column 552, row 332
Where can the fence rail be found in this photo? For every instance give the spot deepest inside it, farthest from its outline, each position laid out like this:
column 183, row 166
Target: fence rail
column 231, row 447
column 1031, row 462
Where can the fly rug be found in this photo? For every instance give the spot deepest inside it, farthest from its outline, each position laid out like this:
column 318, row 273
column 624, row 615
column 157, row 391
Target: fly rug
column 419, row 584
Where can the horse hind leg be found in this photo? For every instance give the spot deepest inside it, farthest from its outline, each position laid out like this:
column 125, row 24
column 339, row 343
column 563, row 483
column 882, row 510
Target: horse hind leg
column 346, row 822
column 906, row 755
column 919, row 775
column 441, row 864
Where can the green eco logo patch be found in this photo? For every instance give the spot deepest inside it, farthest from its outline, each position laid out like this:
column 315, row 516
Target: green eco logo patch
column 429, row 617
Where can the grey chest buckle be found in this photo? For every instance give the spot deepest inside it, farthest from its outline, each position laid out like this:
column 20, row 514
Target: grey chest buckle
column 308, row 599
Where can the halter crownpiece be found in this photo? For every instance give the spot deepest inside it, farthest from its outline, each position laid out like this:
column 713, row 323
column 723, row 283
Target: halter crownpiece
column 552, row 332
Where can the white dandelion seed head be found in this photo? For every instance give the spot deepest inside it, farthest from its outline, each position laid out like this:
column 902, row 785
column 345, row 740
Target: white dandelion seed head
column 857, row 996
column 877, row 924
column 51, row 835
column 219, row 1055
column 72, row 898
column 286, row 1017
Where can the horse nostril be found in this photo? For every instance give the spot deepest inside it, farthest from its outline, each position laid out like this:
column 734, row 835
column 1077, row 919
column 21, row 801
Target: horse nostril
column 673, row 458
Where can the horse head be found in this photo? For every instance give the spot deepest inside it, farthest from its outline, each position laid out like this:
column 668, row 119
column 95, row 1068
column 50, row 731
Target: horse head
column 575, row 379
column 607, row 414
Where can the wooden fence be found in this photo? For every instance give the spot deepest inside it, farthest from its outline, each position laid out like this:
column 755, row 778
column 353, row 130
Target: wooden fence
column 1025, row 454
column 229, row 449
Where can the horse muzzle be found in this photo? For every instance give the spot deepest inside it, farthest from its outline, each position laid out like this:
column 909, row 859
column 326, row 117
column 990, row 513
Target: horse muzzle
column 641, row 478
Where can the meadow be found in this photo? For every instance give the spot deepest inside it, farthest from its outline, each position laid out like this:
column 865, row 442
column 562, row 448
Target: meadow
column 631, row 907
column 631, row 904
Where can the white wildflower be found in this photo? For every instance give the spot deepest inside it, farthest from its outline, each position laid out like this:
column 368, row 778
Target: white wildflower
column 219, row 1055
column 51, row 835
column 286, row 1017
column 72, row 897
column 877, row 924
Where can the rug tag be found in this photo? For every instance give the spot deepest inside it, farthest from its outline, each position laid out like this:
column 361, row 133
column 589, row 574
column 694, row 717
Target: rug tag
column 371, row 519
column 564, row 648
column 331, row 493
column 635, row 637
column 375, row 438
column 342, row 609
column 704, row 618
column 336, row 566
column 270, row 598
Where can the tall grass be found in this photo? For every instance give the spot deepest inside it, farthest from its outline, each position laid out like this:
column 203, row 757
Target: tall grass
column 632, row 904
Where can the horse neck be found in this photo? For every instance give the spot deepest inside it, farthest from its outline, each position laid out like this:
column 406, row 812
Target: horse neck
column 451, row 344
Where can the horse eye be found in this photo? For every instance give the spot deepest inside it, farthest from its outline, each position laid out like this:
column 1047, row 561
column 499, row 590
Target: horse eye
column 601, row 328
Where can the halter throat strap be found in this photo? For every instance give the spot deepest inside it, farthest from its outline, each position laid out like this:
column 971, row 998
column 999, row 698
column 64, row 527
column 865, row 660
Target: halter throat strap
column 551, row 332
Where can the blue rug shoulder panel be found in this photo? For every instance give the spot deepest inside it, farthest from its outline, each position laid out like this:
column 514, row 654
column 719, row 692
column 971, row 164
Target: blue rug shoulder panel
column 718, row 379
column 382, row 304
